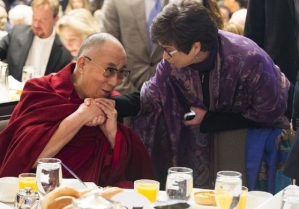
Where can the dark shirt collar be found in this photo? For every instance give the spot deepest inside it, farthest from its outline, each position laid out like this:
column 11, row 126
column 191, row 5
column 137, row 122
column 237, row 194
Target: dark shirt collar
column 207, row 64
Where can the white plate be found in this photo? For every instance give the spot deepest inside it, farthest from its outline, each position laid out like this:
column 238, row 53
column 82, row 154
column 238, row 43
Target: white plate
column 3, row 206
column 126, row 197
column 4, row 200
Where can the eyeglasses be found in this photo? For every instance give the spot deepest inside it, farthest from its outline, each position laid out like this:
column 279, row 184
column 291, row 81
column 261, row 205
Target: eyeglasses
column 110, row 72
column 170, row 53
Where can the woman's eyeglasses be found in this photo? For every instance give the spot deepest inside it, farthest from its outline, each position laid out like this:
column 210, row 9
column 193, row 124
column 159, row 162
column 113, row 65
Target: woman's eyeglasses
column 170, row 53
column 110, row 72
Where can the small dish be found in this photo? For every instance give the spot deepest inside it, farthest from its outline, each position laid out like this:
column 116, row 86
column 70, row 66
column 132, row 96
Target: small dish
column 206, row 198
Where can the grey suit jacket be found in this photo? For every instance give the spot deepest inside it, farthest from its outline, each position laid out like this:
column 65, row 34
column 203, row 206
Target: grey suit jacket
column 127, row 22
column 14, row 49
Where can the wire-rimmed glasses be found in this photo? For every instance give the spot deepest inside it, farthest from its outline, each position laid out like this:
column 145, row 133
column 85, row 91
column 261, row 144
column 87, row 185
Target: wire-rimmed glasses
column 170, row 53
column 109, row 71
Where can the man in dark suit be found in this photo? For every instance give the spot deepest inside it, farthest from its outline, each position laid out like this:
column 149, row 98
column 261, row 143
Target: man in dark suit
column 271, row 24
column 38, row 46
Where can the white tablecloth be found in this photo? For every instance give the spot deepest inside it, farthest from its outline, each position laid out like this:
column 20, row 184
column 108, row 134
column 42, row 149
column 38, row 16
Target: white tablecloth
column 273, row 203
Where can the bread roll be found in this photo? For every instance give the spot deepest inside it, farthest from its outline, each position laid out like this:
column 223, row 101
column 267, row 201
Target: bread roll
column 60, row 202
column 109, row 192
column 59, row 192
column 62, row 197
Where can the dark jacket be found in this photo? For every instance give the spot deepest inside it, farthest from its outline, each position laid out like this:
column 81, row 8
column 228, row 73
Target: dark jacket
column 271, row 24
column 291, row 168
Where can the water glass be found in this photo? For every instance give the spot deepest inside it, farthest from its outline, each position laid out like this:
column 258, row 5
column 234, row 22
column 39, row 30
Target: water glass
column 179, row 183
column 48, row 175
column 228, row 189
column 290, row 198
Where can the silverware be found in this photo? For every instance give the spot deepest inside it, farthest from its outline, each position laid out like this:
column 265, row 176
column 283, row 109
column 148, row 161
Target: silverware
column 73, row 174
column 173, row 206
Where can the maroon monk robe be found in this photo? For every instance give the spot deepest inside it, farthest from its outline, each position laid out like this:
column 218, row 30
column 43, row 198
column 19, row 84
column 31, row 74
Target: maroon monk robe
column 44, row 103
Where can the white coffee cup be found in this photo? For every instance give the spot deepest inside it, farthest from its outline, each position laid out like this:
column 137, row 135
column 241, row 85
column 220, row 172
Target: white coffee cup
column 256, row 198
column 9, row 187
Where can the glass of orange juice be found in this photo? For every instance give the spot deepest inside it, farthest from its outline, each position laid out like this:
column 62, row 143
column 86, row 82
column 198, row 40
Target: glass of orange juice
column 28, row 180
column 148, row 188
column 243, row 198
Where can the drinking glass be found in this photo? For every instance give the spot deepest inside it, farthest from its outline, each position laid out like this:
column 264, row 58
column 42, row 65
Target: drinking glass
column 228, row 189
column 179, row 183
column 290, row 198
column 48, row 175
column 28, row 73
column 4, row 96
column 243, row 198
column 28, row 180
column 148, row 188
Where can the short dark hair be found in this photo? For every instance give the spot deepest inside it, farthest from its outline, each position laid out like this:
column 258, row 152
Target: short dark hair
column 184, row 24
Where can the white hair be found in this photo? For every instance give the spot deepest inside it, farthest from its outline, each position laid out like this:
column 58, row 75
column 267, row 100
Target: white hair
column 21, row 13
column 239, row 17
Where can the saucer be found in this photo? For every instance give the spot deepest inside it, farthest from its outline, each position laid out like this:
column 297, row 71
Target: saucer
column 132, row 199
column 5, row 200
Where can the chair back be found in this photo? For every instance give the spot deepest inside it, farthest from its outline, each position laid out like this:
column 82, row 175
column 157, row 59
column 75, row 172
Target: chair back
column 229, row 152
column 4, row 119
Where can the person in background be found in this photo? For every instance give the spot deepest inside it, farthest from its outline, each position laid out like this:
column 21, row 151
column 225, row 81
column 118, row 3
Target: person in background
column 77, row 4
column 3, row 21
column 96, row 5
column 272, row 25
column 234, row 28
column 226, row 14
column 74, row 27
column 284, row 38
column 239, row 17
column 37, row 45
column 291, row 168
column 69, row 116
column 20, row 15
column 235, row 5
column 226, row 79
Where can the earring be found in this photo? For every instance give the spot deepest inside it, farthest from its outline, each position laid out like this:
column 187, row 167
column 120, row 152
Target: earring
column 196, row 57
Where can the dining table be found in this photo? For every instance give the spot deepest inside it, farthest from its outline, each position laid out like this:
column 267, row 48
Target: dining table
column 79, row 186
column 273, row 203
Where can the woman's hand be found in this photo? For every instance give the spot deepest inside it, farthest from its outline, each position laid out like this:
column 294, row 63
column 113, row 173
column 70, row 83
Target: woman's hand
column 196, row 121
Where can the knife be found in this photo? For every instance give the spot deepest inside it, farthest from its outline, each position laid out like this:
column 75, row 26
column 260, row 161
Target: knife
column 173, row 206
column 73, row 174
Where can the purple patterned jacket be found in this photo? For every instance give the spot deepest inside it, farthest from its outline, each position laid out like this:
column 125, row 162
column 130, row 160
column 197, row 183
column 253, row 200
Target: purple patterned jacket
column 244, row 79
